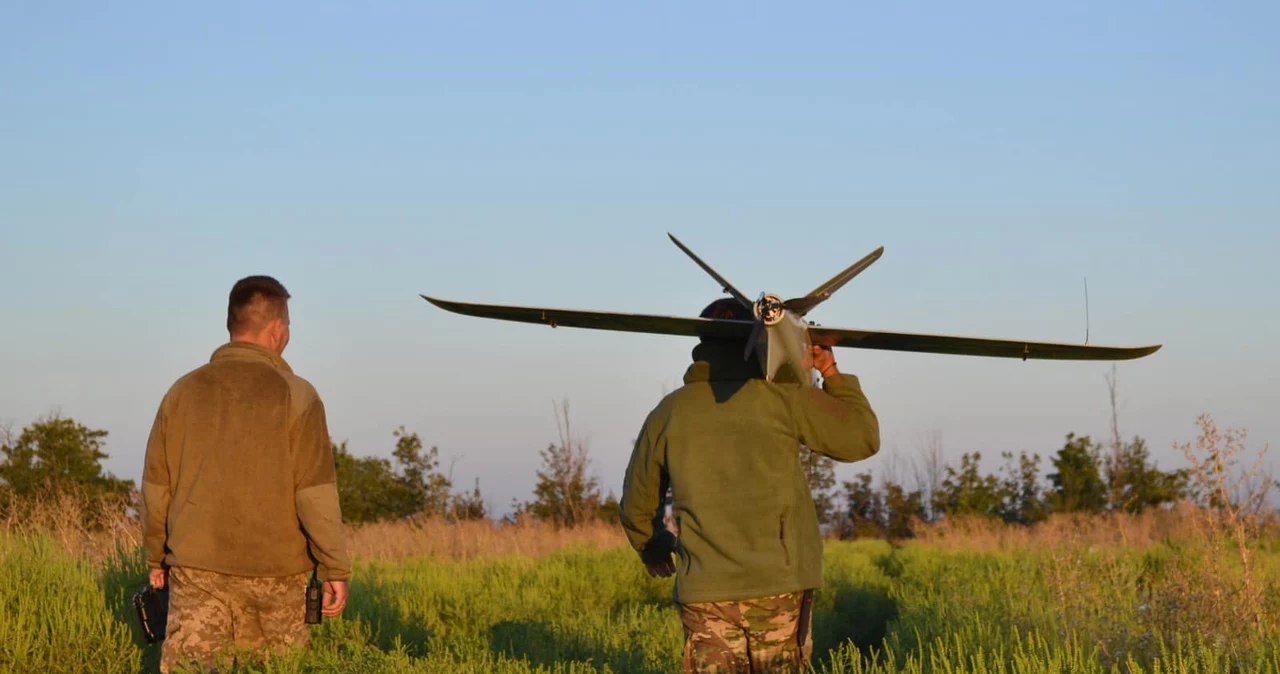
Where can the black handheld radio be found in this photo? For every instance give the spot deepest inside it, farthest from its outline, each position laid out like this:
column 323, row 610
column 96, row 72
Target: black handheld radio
column 315, row 594
column 151, row 606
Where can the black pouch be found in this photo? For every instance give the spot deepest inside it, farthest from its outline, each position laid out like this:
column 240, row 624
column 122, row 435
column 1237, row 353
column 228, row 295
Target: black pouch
column 152, row 608
column 315, row 595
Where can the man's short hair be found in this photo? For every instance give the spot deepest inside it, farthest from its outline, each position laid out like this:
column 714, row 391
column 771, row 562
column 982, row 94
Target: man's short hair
column 727, row 308
column 254, row 302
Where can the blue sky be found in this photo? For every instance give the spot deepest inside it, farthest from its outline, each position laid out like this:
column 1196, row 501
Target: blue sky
column 151, row 154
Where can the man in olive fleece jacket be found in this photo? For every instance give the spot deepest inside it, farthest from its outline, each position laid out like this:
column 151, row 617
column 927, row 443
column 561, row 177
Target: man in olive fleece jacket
column 727, row 444
column 239, row 491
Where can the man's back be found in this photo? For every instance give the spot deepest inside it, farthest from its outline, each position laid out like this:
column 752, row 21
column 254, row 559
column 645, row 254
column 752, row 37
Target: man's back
column 242, row 437
column 239, row 493
column 727, row 443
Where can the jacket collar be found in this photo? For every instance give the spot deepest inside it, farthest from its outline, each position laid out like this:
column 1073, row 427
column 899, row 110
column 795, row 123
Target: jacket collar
column 721, row 361
column 249, row 351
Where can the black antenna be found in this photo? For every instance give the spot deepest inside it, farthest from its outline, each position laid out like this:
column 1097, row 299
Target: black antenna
column 1086, row 310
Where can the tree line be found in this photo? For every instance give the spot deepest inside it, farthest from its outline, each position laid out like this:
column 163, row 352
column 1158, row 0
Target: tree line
column 372, row 488
column 58, row 454
column 1085, row 476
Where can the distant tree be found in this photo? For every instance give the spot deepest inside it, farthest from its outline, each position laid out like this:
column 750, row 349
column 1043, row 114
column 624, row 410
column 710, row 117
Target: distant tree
column 369, row 489
column 372, row 488
column 1077, row 484
column 864, row 515
column 1111, row 466
column 820, row 473
column 886, row 512
column 1023, row 496
column 1137, row 483
column 968, row 492
column 928, row 470
column 564, row 494
column 468, row 506
column 1134, row 483
column 901, row 510
column 419, row 472
column 609, row 509
column 58, row 454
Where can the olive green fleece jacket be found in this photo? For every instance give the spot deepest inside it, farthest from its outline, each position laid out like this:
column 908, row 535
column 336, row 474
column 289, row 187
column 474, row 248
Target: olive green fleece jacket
column 727, row 443
column 239, row 475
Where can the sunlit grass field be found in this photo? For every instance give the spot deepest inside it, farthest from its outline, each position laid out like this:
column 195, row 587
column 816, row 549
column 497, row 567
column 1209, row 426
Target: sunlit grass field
column 477, row 598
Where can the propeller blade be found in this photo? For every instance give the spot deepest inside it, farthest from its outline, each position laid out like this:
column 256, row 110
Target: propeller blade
column 802, row 305
column 754, row 340
column 728, row 287
column 789, row 346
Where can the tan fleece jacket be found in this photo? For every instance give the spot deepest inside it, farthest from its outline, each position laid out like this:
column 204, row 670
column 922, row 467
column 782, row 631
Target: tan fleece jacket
column 239, row 475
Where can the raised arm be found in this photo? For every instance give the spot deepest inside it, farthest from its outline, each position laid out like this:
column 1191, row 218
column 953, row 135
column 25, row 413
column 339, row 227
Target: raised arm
column 836, row 421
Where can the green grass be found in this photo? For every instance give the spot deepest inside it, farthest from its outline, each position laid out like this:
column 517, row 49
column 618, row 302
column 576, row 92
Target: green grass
column 56, row 615
column 916, row 609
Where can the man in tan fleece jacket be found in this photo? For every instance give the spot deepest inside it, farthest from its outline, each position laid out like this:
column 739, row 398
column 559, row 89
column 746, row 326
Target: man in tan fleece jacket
column 239, row 493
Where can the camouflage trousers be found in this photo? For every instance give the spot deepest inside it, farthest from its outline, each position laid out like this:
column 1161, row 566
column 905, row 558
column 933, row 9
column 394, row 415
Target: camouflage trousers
column 212, row 614
column 768, row 634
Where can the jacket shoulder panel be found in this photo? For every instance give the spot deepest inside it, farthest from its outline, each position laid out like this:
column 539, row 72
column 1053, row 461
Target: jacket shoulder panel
column 183, row 384
column 302, row 394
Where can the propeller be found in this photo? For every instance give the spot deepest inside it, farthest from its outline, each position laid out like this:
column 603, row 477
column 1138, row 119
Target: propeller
column 779, row 329
column 786, row 337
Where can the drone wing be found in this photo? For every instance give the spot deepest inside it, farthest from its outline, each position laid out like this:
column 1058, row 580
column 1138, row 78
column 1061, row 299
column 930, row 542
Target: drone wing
column 860, row 339
column 600, row 320
column 973, row 346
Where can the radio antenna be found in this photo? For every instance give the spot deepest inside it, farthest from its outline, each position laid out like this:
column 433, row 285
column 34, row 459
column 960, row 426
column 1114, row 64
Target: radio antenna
column 1086, row 310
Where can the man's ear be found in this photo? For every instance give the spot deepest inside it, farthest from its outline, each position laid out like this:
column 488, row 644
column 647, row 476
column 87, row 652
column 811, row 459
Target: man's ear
column 276, row 329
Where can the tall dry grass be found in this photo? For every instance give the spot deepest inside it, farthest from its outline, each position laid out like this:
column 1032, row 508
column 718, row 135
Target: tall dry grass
column 98, row 530
column 1060, row 530
column 438, row 538
column 94, row 529
column 1196, row 567
column 1232, row 523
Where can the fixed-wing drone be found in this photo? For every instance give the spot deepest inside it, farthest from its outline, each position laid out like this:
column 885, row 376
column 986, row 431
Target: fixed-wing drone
column 779, row 334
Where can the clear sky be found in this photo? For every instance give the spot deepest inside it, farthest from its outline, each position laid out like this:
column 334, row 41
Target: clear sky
column 537, row 153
